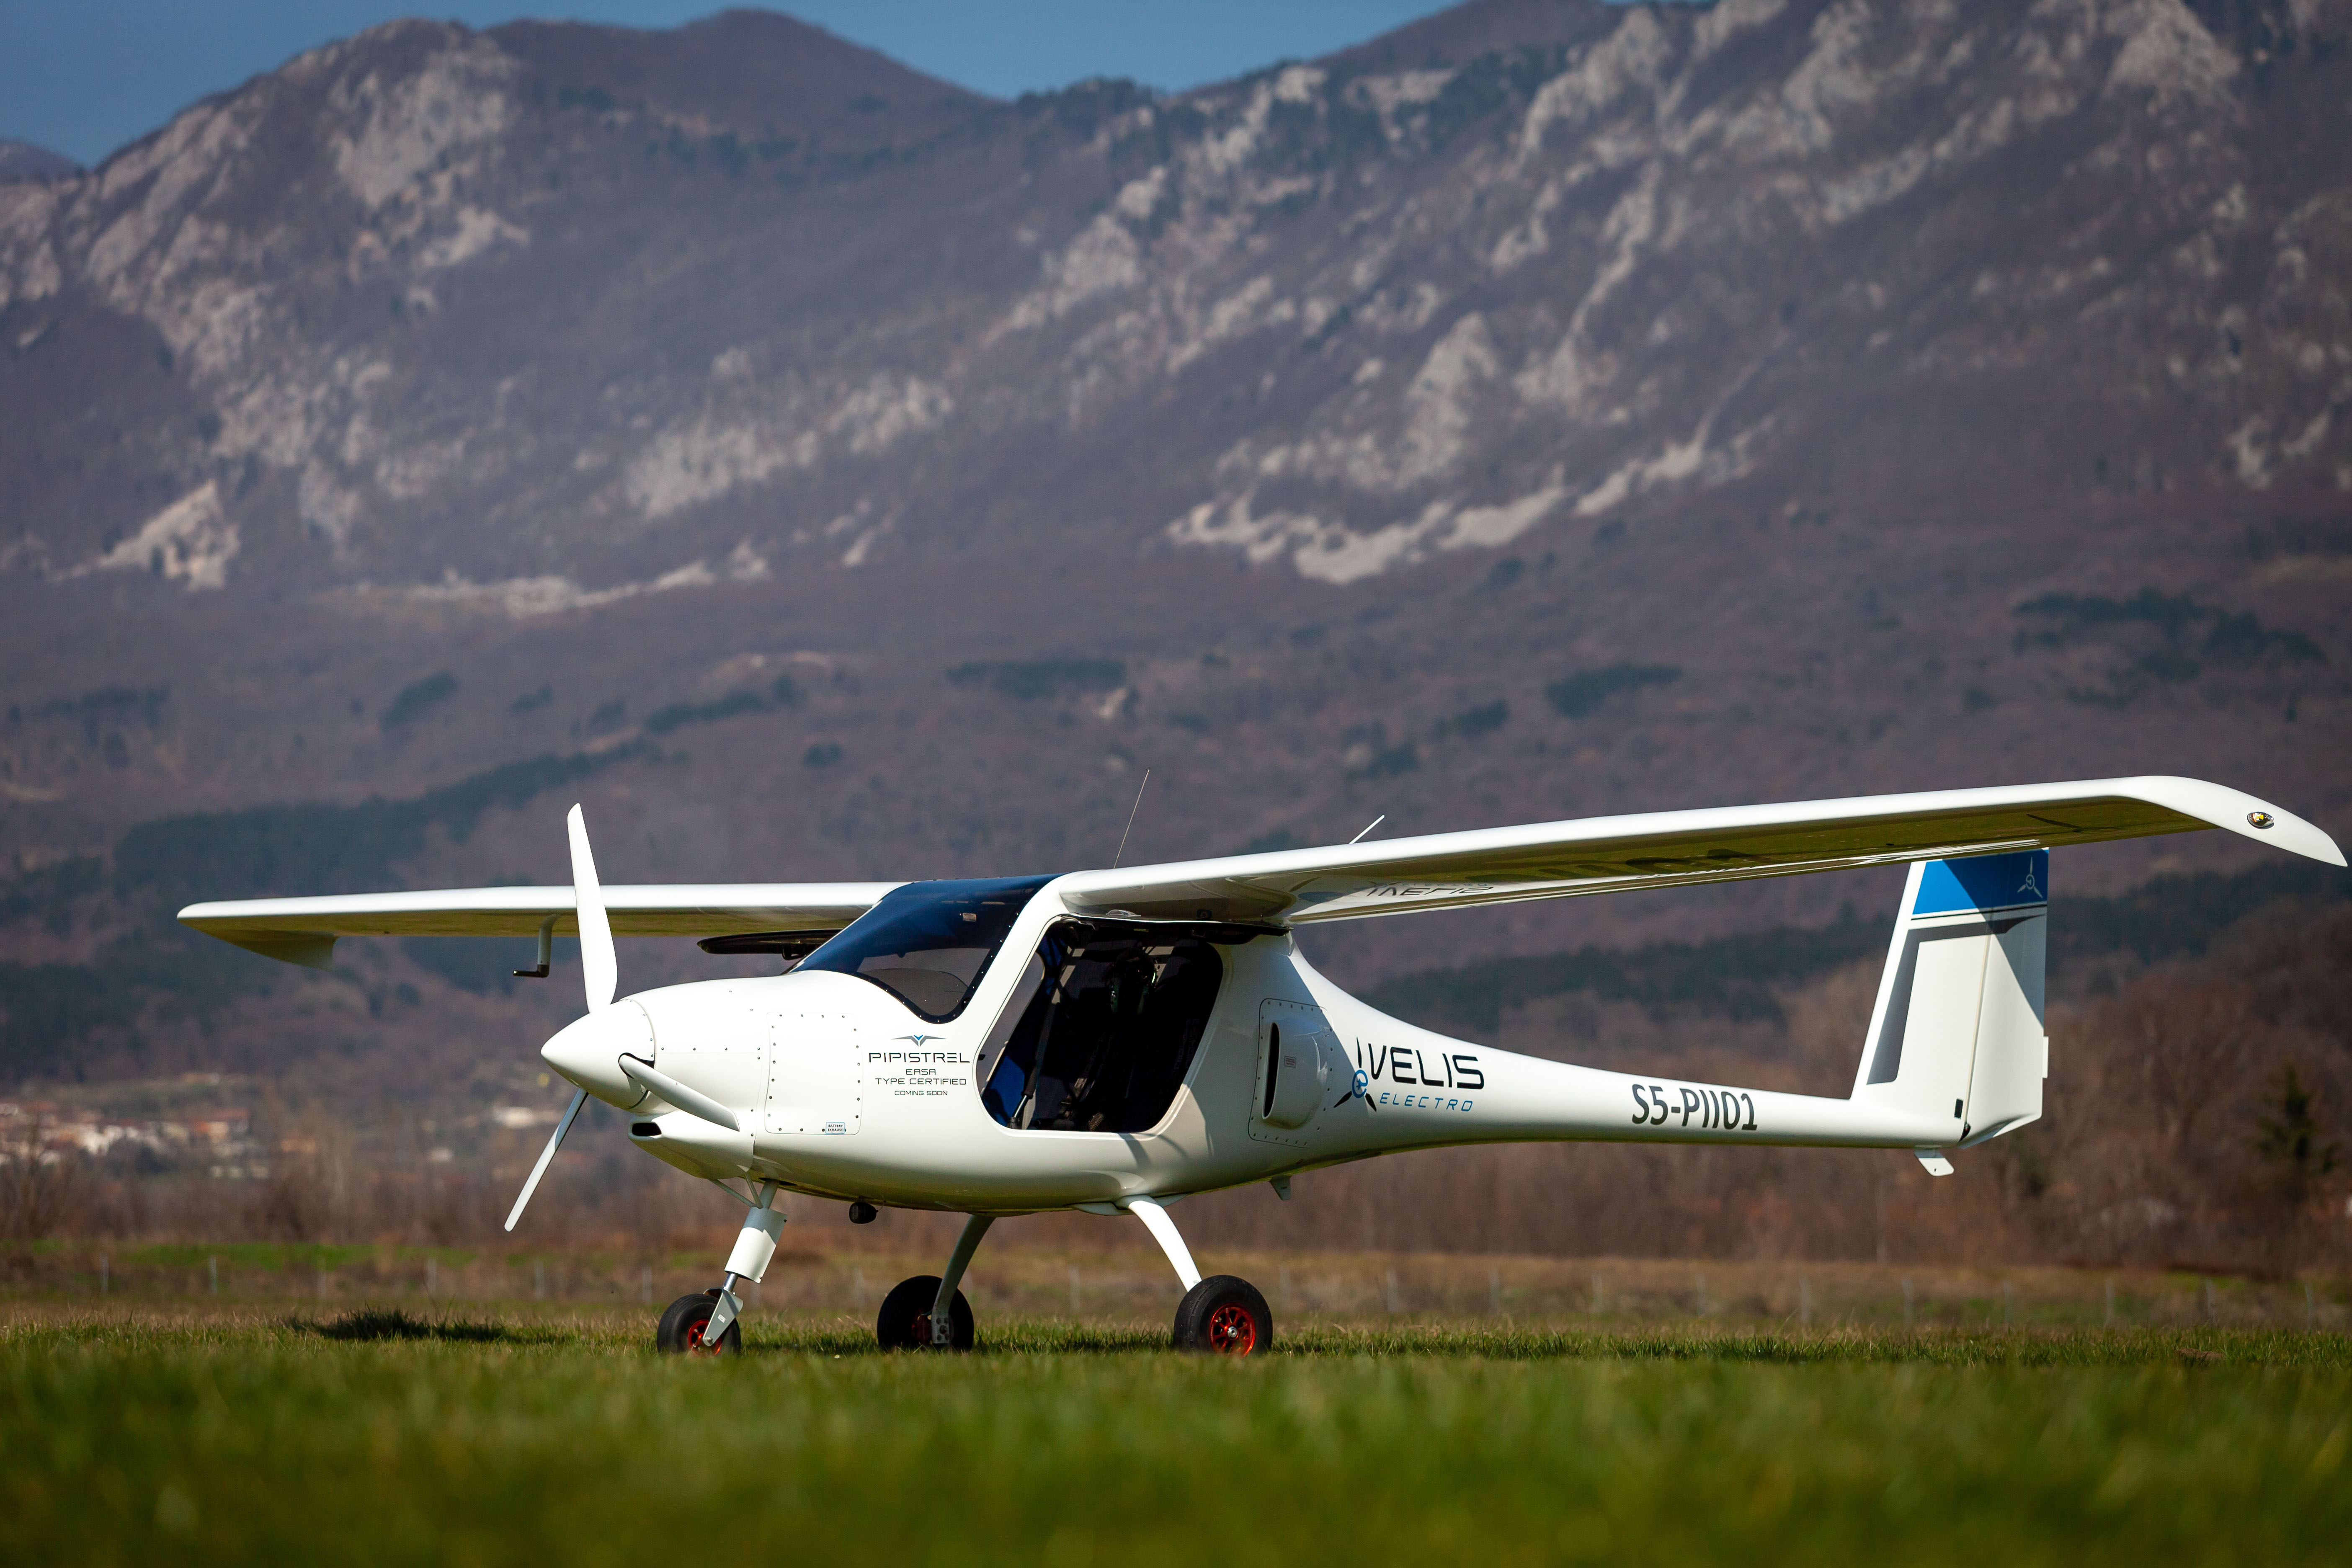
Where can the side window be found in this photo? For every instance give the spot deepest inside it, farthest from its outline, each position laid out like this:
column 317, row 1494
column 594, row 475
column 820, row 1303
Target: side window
column 1101, row 1031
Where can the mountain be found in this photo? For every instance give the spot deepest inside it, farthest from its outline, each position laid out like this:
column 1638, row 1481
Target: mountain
column 1548, row 408
column 26, row 161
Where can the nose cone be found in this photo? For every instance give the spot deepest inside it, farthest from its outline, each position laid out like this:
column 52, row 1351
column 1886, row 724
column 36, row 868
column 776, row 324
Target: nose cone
column 588, row 1050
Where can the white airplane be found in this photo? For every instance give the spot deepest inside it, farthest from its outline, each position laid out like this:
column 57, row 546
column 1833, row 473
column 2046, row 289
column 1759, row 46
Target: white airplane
column 1112, row 1041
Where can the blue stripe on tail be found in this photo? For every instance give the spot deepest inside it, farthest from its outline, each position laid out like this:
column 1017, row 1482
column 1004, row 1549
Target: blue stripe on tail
column 1984, row 882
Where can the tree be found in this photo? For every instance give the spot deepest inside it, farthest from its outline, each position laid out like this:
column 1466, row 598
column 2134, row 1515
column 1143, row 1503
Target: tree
column 2192, row 1038
column 2290, row 1139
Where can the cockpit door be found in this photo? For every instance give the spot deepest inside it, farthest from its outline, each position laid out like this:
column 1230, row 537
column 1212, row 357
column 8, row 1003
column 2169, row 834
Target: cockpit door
column 1299, row 1063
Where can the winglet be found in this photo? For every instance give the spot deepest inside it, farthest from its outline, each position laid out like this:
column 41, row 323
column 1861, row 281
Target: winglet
column 2246, row 815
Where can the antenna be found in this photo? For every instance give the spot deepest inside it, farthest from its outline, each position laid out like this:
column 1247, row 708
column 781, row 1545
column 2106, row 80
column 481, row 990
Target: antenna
column 1369, row 826
column 1130, row 818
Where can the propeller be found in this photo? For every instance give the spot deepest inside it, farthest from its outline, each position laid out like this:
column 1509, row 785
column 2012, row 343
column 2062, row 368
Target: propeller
column 597, row 964
column 599, row 968
column 547, row 1155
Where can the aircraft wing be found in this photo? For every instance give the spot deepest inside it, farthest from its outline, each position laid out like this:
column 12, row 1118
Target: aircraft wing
column 303, row 930
column 1612, row 854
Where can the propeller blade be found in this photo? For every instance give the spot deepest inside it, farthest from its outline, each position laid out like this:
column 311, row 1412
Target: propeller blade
column 597, row 964
column 547, row 1155
column 692, row 1101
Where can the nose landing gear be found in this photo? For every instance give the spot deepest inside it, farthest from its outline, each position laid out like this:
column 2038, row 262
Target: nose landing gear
column 705, row 1324
column 686, row 1329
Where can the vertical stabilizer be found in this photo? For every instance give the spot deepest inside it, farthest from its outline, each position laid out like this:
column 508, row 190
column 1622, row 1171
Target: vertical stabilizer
column 1957, row 1035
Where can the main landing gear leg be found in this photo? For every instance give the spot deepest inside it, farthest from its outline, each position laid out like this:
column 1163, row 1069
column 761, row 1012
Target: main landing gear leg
column 928, row 1312
column 1222, row 1314
column 706, row 1323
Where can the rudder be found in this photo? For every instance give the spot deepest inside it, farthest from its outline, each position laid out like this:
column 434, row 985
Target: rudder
column 1957, row 1033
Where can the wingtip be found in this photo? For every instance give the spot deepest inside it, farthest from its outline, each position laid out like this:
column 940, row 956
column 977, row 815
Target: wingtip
column 2299, row 836
column 2247, row 816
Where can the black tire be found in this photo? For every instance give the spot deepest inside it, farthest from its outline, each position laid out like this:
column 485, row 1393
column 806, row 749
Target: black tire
column 1225, row 1315
column 681, row 1328
column 905, row 1322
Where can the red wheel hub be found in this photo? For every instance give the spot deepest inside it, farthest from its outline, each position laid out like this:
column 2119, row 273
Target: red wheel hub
column 695, row 1330
column 1231, row 1330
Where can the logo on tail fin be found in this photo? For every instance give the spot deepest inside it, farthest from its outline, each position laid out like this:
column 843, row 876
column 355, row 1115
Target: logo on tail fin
column 2029, row 885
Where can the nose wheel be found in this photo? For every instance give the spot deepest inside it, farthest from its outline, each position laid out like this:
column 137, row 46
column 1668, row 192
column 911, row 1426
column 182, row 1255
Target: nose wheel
column 684, row 1326
column 1225, row 1315
column 905, row 1323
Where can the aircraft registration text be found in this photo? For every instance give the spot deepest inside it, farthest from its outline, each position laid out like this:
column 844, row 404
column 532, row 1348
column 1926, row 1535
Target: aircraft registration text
column 1722, row 1108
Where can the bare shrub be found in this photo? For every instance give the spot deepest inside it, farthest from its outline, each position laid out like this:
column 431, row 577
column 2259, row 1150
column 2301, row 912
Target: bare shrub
column 44, row 1191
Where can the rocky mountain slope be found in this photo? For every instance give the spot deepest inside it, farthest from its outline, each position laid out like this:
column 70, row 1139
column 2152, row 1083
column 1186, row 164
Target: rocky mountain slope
column 555, row 301
column 26, row 161
column 1548, row 408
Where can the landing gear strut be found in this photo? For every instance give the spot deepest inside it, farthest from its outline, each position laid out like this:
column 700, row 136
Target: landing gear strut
column 1223, row 1314
column 928, row 1312
column 705, row 1324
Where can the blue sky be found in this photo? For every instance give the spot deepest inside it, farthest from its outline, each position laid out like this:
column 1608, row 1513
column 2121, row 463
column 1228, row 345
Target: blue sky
column 84, row 77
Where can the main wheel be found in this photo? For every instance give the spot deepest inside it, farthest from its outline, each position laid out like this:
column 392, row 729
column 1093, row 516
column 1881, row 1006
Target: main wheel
column 905, row 1323
column 683, row 1325
column 1224, row 1316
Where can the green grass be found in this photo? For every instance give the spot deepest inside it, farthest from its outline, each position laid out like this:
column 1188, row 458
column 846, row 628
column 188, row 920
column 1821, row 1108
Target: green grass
column 280, row 1257
column 384, row 1437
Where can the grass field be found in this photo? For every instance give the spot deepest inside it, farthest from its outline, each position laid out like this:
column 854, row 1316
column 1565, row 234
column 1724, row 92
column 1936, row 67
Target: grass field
column 160, row 1434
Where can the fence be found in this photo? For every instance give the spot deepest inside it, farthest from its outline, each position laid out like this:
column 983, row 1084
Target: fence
column 1126, row 1286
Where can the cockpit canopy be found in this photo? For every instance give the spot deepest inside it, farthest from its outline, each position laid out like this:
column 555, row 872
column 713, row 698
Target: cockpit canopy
column 1102, row 1026
column 928, row 944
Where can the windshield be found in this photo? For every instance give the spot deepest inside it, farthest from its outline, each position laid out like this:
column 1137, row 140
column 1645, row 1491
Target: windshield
column 928, row 944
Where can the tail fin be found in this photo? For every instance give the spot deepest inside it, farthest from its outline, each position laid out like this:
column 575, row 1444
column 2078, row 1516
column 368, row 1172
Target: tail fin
column 1957, row 1032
